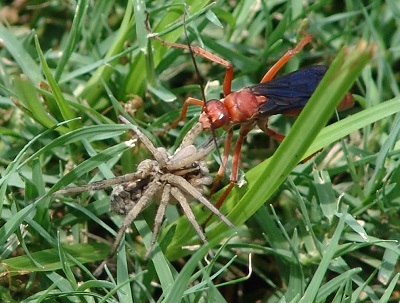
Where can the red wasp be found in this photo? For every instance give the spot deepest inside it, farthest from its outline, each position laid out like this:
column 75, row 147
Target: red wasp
column 253, row 105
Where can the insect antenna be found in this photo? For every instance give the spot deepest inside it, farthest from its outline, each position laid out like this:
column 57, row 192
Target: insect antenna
column 200, row 83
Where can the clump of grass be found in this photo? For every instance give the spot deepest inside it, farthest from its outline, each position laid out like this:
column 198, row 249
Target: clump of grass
column 321, row 231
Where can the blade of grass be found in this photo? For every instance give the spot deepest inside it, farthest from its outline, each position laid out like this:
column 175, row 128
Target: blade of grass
column 352, row 123
column 91, row 133
column 50, row 259
column 90, row 164
column 28, row 66
column 160, row 263
column 73, row 37
column 316, row 281
column 15, row 165
column 92, row 90
column 27, row 94
column 62, row 104
column 333, row 285
column 136, row 77
column 387, row 296
column 183, row 279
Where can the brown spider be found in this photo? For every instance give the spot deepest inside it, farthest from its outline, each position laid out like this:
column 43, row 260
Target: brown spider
column 182, row 175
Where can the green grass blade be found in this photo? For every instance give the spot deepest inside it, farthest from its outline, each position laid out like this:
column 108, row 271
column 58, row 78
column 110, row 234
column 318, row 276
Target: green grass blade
column 73, row 38
column 387, row 295
column 50, row 258
column 92, row 89
column 28, row 66
column 329, row 253
column 184, row 277
column 27, row 94
column 62, row 104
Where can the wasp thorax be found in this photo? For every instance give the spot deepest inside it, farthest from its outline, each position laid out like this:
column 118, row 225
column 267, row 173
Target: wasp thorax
column 241, row 105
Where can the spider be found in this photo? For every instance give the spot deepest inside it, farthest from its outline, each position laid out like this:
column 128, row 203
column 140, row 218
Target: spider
column 168, row 179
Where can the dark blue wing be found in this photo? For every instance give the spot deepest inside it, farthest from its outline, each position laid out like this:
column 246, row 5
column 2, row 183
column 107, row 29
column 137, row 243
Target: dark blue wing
column 289, row 92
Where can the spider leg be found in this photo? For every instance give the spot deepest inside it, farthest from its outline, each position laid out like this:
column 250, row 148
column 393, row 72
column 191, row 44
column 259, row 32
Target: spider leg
column 161, row 157
column 201, row 181
column 159, row 217
column 100, row 184
column 191, row 135
column 136, row 210
column 130, row 217
column 143, row 170
column 184, row 185
column 180, row 197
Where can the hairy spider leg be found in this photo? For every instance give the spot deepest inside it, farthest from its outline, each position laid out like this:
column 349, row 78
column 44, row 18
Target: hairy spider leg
column 159, row 218
column 141, row 204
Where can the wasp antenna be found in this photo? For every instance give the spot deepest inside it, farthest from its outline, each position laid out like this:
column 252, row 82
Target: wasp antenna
column 200, row 82
column 203, row 95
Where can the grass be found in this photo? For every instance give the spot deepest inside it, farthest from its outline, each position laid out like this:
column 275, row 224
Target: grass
column 322, row 231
